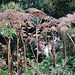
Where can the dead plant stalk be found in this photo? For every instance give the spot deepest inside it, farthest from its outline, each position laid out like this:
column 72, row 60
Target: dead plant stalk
column 25, row 63
column 54, row 58
column 65, row 46
column 37, row 44
column 17, row 53
column 9, row 54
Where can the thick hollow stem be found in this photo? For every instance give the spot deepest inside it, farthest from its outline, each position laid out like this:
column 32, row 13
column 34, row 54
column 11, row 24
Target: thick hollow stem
column 25, row 63
column 25, row 59
column 65, row 46
column 9, row 55
column 54, row 58
column 37, row 45
column 17, row 53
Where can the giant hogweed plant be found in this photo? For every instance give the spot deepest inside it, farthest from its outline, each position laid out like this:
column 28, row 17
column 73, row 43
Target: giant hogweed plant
column 31, row 27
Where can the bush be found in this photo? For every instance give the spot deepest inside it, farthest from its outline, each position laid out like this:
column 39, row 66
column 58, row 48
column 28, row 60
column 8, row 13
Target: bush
column 45, row 5
column 55, row 8
column 71, row 63
column 47, row 68
column 10, row 5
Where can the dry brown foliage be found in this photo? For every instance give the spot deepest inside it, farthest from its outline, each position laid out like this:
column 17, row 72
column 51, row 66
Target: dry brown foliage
column 24, row 22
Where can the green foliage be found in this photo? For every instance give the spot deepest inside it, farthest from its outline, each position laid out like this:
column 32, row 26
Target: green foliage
column 31, row 70
column 71, row 31
column 72, row 6
column 69, row 48
column 47, row 68
column 32, row 3
column 63, row 7
column 59, row 58
column 11, row 5
column 5, row 30
column 55, row 8
column 5, row 72
column 45, row 5
column 71, row 63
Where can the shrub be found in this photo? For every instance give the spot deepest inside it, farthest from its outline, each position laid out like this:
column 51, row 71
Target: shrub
column 10, row 5
column 71, row 63
column 55, row 8
column 47, row 68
